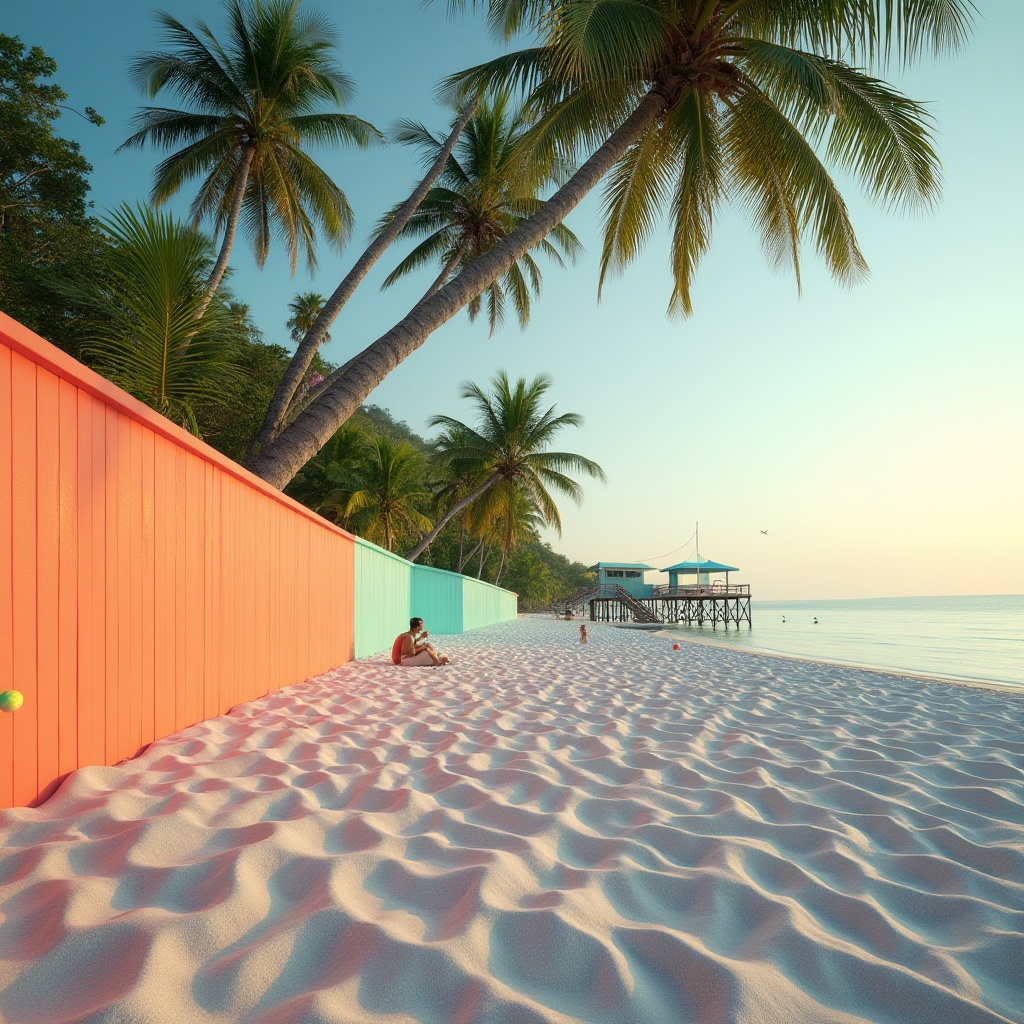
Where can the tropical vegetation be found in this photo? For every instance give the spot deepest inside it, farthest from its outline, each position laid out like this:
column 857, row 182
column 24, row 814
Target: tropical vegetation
column 252, row 107
column 672, row 108
column 484, row 193
column 46, row 227
column 379, row 479
column 155, row 334
column 507, row 455
column 680, row 106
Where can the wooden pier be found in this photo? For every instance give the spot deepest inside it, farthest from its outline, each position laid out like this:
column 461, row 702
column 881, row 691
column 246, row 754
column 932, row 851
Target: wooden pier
column 714, row 604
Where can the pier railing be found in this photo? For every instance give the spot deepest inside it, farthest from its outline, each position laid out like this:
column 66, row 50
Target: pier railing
column 708, row 590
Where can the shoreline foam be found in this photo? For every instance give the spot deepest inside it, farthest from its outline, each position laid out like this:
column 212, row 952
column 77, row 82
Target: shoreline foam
column 542, row 832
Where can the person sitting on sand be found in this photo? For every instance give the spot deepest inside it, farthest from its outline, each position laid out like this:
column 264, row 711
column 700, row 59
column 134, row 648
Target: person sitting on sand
column 411, row 648
column 583, row 634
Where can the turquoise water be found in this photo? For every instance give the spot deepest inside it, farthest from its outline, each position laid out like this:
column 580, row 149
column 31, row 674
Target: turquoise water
column 980, row 638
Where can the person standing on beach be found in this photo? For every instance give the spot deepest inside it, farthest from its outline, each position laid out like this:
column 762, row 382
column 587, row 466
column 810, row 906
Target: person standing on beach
column 583, row 634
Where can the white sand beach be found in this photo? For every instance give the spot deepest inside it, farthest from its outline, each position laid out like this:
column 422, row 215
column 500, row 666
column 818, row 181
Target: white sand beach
column 613, row 834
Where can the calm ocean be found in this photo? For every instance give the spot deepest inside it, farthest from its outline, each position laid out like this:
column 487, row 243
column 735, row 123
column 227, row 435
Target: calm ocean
column 979, row 638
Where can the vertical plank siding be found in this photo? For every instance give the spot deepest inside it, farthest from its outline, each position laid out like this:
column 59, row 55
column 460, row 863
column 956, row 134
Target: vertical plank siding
column 23, row 577
column 389, row 591
column 437, row 599
column 148, row 582
column 484, row 604
column 383, row 592
column 6, row 576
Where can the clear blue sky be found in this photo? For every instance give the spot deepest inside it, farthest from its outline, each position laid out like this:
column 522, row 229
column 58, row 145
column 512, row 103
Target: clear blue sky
column 875, row 433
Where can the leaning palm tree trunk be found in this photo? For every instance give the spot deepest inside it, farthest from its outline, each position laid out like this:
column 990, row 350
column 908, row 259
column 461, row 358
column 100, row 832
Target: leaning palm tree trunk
column 451, row 514
column 296, row 370
column 336, row 374
column 444, row 275
column 230, row 229
column 311, row 429
column 463, row 562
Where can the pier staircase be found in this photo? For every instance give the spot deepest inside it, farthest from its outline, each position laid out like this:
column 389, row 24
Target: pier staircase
column 580, row 599
column 641, row 612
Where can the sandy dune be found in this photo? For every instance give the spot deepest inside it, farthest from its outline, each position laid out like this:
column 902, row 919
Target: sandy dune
column 540, row 832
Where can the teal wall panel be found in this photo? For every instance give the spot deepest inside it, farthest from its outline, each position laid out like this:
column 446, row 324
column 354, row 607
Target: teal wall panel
column 437, row 599
column 383, row 586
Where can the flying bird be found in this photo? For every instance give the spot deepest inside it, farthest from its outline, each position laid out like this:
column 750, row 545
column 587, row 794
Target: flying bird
column 765, row 532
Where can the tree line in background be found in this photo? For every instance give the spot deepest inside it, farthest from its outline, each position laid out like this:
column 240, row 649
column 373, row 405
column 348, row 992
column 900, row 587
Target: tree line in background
column 678, row 106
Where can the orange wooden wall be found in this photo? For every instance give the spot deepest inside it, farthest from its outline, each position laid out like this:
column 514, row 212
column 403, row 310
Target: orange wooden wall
column 146, row 581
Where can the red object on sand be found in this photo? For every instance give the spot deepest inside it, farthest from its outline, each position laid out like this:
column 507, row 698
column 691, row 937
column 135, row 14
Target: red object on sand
column 675, row 647
column 396, row 649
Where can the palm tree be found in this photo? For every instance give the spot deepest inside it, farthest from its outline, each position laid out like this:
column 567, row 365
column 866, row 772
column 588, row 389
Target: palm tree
column 304, row 309
column 484, row 194
column 515, row 518
column 683, row 105
column 282, row 400
column 326, row 482
column 253, row 104
column 454, row 479
column 150, row 297
column 510, row 445
column 383, row 505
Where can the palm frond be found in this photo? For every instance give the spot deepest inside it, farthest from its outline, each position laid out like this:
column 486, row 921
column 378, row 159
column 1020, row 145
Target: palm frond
column 149, row 340
column 870, row 129
column 768, row 153
column 636, row 189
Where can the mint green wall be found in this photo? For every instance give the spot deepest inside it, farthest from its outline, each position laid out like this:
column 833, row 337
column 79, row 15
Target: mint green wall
column 389, row 590
column 437, row 599
column 483, row 605
column 383, row 585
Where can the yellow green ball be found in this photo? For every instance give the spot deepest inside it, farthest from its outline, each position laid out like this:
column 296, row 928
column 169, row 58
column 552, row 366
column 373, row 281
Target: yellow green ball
column 11, row 700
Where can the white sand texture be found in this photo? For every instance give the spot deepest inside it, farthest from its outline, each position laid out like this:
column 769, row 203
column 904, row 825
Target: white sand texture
column 540, row 832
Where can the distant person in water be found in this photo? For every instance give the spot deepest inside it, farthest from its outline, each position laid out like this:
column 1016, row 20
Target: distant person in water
column 411, row 648
column 583, row 634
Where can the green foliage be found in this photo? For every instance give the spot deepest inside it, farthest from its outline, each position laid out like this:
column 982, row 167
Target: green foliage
column 485, row 192
column 742, row 101
column 386, row 492
column 147, row 338
column 326, row 482
column 531, row 578
column 304, row 309
column 511, row 442
column 229, row 419
column 372, row 419
column 45, row 229
column 259, row 91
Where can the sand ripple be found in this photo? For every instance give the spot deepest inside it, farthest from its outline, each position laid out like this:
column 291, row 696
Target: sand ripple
column 539, row 833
